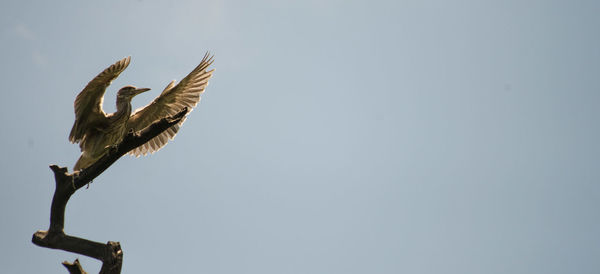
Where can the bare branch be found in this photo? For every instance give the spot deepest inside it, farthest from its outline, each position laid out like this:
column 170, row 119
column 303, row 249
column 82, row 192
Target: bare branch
column 110, row 254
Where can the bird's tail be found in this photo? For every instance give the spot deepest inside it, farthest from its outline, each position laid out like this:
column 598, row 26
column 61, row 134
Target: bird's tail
column 84, row 161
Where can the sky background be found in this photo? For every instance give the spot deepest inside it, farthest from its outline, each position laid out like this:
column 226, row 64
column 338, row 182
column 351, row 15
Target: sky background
column 335, row 136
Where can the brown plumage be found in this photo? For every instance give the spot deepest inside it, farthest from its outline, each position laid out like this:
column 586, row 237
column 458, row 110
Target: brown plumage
column 96, row 131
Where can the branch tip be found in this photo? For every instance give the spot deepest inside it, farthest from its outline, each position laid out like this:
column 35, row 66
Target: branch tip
column 56, row 169
column 74, row 268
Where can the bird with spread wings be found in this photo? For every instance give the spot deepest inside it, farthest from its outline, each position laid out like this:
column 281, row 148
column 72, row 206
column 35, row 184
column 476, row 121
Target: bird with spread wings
column 96, row 131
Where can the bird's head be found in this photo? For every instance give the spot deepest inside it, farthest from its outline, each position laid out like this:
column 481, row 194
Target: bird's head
column 130, row 91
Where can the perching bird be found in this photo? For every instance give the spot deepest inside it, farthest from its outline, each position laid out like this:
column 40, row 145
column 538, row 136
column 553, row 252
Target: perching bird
column 96, row 131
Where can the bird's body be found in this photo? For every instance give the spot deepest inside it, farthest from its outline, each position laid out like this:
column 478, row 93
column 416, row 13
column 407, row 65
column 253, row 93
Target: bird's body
column 96, row 131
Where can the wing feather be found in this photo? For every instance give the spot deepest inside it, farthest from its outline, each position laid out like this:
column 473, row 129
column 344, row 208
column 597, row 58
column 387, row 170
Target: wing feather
column 88, row 104
column 172, row 100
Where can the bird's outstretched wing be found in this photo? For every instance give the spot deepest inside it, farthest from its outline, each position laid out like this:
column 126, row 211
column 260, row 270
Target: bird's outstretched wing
column 88, row 104
column 172, row 100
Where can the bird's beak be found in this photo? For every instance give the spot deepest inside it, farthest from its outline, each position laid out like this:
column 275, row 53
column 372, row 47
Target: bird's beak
column 141, row 90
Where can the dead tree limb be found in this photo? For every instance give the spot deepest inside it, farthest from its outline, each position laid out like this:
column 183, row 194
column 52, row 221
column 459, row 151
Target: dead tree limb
column 110, row 253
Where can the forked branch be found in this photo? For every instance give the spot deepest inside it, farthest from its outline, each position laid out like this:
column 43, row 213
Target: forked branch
column 110, row 253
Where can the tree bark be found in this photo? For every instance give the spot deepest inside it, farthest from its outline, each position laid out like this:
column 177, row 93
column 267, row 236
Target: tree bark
column 110, row 253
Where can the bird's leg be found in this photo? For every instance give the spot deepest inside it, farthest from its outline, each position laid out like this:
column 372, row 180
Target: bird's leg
column 131, row 132
column 113, row 148
column 76, row 175
column 73, row 180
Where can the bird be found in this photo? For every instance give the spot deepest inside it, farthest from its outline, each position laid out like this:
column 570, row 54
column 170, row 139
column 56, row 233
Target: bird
column 97, row 132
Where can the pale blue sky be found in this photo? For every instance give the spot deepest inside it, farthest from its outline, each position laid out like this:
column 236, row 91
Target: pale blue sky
column 335, row 136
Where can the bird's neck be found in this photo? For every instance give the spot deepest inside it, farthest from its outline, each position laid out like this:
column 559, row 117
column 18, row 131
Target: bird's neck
column 123, row 108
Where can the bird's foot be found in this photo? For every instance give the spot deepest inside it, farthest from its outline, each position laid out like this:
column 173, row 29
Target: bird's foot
column 75, row 175
column 113, row 148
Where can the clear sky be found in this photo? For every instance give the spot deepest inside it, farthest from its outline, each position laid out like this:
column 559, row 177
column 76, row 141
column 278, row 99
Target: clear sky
column 335, row 136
